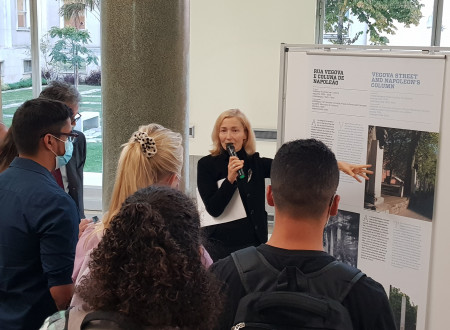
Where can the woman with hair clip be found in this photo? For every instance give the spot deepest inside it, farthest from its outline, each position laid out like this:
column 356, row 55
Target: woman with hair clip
column 146, row 272
column 153, row 155
column 219, row 176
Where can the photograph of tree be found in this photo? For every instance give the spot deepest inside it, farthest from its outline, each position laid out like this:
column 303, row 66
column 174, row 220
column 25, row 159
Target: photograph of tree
column 340, row 237
column 404, row 310
column 404, row 164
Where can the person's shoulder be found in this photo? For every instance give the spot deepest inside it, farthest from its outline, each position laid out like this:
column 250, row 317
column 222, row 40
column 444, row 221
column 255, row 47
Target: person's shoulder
column 224, row 268
column 368, row 292
column 80, row 133
column 257, row 158
column 90, row 237
column 206, row 158
column 62, row 199
column 81, row 139
column 368, row 286
column 210, row 160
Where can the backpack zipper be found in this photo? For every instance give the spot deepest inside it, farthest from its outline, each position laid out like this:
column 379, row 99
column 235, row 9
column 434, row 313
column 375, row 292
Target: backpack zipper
column 238, row 326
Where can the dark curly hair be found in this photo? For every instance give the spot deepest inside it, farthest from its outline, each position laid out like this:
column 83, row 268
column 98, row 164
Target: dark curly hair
column 148, row 264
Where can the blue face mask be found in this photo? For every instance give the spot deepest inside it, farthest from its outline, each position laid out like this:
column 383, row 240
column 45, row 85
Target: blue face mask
column 64, row 159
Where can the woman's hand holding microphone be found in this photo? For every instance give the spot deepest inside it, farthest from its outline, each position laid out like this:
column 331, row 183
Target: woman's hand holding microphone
column 234, row 165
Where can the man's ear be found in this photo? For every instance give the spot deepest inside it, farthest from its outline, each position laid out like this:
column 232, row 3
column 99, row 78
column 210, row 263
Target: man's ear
column 269, row 195
column 335, row 205
column 48, row 142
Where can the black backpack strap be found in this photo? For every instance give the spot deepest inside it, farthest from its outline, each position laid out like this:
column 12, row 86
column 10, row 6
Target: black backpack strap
column 66, row 314
column 116, row 318
column 342, row 276
column 254, row 270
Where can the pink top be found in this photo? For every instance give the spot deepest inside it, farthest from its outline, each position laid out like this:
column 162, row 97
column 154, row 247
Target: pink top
column 87, row 242
column 84, row 246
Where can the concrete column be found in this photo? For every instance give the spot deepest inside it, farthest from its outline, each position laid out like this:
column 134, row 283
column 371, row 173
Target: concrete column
column 376, row 159
column 145, row 48
column 403, row 313
column 35, row 56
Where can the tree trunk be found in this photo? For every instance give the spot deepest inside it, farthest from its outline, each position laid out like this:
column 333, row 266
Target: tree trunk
column 75, row 76
column 410, row 160
column 340, row 31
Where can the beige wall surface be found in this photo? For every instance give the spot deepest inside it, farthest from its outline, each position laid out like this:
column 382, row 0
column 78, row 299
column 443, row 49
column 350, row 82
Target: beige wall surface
column 235, row 59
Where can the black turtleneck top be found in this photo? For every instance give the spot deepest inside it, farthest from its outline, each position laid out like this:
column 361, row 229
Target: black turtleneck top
column 222, row 239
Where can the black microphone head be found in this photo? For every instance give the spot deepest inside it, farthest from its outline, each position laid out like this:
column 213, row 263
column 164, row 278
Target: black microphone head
column 230, row 147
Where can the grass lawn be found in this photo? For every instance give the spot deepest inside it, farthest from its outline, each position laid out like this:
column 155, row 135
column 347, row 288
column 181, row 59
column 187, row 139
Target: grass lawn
column 91, row 101
column 94, row 157
column 11, row 101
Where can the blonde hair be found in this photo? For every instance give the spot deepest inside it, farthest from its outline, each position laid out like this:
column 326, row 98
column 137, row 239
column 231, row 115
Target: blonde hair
column 249, row 144
column 136, row 170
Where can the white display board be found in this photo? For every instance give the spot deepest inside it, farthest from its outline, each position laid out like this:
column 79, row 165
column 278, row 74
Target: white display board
column 384, row 106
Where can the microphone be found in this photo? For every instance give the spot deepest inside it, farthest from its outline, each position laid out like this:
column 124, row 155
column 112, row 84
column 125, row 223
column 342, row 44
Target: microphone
column 232, row 152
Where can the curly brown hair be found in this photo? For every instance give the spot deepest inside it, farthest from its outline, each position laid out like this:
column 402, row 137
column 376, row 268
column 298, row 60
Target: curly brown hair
column 148, row 264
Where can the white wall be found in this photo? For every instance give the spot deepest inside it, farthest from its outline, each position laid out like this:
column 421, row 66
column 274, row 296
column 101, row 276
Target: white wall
column 234, row 60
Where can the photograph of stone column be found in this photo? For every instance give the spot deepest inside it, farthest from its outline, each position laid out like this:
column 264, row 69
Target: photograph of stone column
column 404, row 310
column 340, row 237
column 404, row 165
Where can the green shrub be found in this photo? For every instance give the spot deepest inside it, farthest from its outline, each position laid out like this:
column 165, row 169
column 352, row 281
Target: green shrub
column 23, row 83
column 94, row 78
column 5, row 87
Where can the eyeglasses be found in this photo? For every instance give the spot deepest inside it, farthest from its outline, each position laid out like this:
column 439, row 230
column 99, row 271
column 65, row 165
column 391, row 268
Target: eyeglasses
column 71, row 137
column 76, row 118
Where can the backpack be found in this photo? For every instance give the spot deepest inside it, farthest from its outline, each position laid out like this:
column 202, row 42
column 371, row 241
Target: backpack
column 291, row 299
column 98, row 320
column 108, row 320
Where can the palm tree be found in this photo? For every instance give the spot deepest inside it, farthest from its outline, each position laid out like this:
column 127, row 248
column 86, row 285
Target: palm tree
column 76, row 8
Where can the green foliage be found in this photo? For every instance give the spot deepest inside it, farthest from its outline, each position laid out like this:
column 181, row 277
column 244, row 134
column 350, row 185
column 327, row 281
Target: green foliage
column 379, row 15
column 5, row 87
column 22, row 83
column 406, row 149
column 426, row 158
column 94, row 78
column 71, row 48
column 395, row 300
column 76, row 8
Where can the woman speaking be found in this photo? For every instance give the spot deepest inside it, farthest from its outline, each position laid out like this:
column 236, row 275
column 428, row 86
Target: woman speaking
column 232, row 167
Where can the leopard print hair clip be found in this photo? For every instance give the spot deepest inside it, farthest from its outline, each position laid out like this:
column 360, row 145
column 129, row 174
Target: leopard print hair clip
column 147, row 143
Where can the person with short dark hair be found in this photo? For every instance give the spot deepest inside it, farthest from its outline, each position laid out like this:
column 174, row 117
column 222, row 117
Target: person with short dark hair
column 305, row 177
column 70, row 176
column 38, row 220
column 148, row 266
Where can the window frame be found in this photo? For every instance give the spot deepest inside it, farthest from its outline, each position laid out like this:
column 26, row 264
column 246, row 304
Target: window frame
column 26, row 14
column 435, row 32
column 31, row 66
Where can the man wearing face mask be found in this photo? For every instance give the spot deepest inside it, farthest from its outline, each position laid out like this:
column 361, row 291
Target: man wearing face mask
column 38, row 220
column 69, row 168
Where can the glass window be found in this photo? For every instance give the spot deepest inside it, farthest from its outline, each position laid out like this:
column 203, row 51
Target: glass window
column 378, row 22
column 23, row 21
column 445, row 30
column 27, row 66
